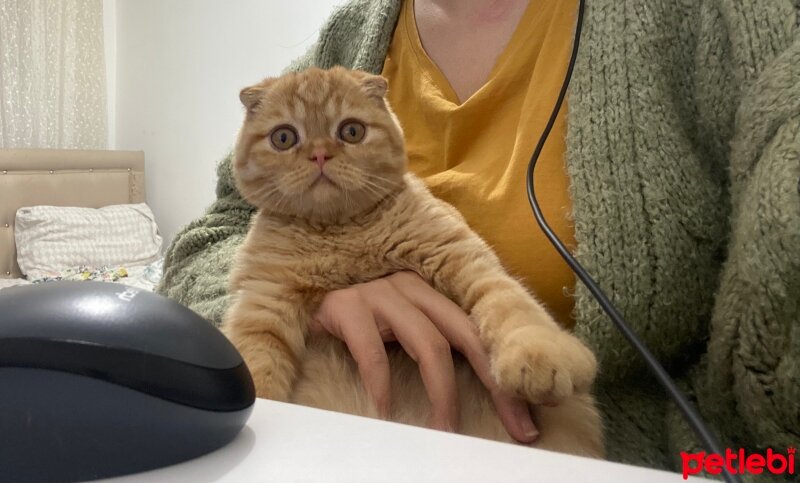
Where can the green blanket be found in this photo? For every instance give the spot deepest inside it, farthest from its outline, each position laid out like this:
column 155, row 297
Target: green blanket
column 683, row 151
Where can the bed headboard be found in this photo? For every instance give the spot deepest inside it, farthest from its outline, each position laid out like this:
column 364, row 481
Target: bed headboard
column 60, row 177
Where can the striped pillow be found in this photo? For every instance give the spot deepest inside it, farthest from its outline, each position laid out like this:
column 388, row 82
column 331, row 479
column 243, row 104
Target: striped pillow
column 53, row 238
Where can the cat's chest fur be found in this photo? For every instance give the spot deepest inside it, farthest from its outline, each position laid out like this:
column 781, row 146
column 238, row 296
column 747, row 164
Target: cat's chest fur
column 316, row 260
column 347, row 255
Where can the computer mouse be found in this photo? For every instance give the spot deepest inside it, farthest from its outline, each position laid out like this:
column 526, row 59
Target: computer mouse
column 100, row 379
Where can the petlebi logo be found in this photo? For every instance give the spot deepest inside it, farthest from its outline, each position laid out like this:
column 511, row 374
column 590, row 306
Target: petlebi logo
column 739, row 462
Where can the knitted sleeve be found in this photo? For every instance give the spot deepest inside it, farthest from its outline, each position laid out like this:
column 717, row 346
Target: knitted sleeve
column 198, row 260
column 752, row 367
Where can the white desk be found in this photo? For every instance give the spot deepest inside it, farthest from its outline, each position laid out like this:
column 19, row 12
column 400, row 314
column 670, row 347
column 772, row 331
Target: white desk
column 284, row 442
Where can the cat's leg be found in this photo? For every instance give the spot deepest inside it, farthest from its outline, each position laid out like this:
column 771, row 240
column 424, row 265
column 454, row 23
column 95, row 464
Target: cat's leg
column 531, row 354
column 269, row 331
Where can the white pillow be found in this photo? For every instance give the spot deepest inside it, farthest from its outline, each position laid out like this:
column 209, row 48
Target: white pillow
column 53, row 238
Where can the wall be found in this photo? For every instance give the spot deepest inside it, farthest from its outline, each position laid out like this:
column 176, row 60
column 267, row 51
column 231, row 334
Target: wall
column 179, row 67
column 110, row 45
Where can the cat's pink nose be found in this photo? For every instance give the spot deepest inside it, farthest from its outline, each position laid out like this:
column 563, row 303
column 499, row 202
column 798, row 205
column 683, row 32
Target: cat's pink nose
column 320, row 156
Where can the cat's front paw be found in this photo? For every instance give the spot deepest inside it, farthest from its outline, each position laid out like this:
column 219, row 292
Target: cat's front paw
column 543, row 365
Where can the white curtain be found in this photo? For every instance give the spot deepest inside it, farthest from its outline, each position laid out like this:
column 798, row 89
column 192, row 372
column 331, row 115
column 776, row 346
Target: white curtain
column 52, row 74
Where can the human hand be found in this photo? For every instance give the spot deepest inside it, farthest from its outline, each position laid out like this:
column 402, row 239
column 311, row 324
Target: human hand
column 402, row 307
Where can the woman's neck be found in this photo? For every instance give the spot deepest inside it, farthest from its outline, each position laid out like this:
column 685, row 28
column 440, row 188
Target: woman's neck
column 464, row 38
column 475, row 10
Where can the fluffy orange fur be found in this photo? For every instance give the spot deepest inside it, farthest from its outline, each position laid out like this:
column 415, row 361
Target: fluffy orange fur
column 364, row 219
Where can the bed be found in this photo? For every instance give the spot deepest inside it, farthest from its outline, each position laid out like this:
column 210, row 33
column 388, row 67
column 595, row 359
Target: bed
column 33, row 181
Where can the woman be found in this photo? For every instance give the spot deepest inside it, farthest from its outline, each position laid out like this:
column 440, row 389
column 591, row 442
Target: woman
column 673, row 173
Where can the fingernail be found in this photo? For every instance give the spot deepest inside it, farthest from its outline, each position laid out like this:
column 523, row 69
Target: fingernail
column 440, row 425
column 530, row 431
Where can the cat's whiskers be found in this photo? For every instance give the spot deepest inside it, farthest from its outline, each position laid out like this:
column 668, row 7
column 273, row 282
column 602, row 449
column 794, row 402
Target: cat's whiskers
column 378, row 183
column 363, row 176
column 347, row 199
column 283, row 187
column 374, row 186
column 297, row 181
column 376, row 177
column 275, row 204
column 380, row 193
column 263, row 193
column 270, row 190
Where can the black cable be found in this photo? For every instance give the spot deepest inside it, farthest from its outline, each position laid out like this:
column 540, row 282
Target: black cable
column 689, row 412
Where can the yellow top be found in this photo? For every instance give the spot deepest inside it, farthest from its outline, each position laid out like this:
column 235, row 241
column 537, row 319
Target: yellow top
column 474, row 155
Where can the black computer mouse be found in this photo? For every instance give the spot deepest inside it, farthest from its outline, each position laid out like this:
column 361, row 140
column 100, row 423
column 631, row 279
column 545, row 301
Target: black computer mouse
column 99, row 379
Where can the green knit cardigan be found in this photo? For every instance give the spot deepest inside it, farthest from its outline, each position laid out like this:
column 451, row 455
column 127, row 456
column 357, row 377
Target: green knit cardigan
column 683, row 150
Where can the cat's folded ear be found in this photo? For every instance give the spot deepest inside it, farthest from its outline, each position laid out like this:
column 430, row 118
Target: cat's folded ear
column 251, row 96
column 374, row 85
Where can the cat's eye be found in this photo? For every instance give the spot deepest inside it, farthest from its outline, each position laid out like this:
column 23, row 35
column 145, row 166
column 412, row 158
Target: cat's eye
column 283, row 137
column 352, row 131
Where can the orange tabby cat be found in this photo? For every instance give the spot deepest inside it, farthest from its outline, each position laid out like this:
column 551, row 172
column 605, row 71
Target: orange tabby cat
column 321, row 155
